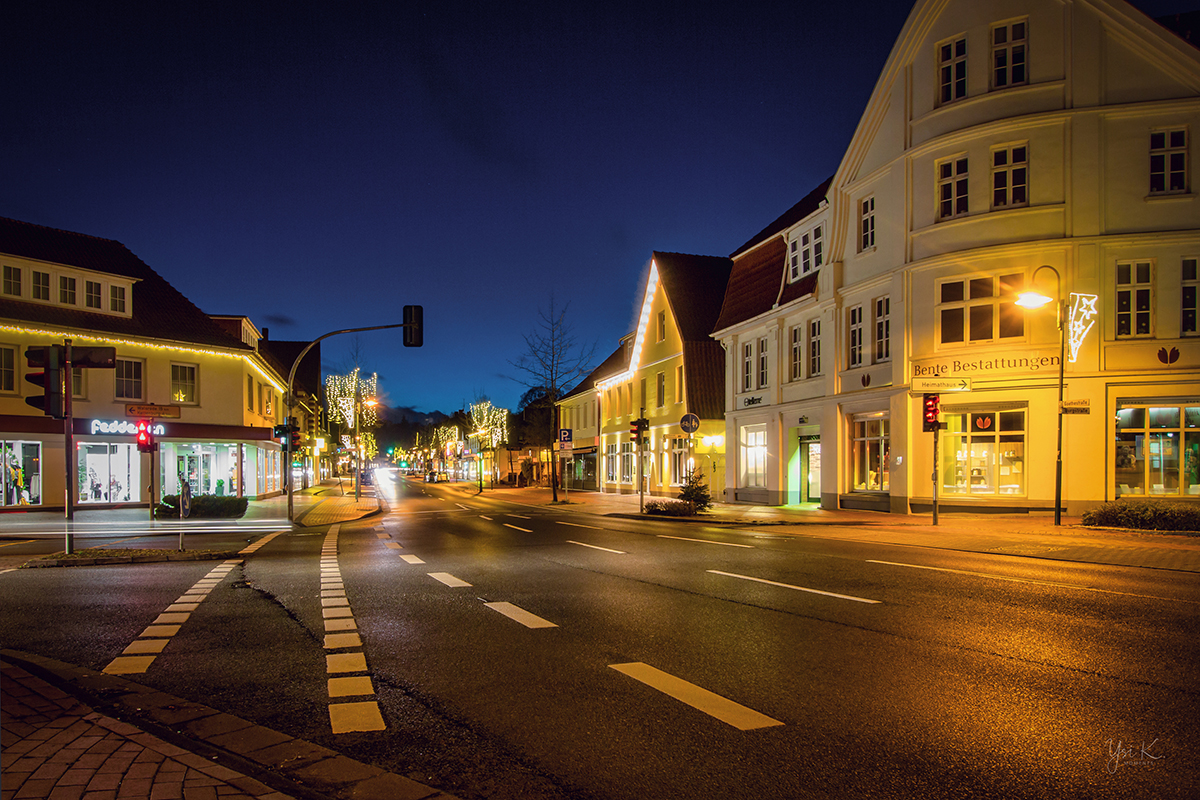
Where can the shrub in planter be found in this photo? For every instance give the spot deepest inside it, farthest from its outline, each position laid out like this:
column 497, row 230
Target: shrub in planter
column 204, row 506
column 1145, row 515
column 670, row 508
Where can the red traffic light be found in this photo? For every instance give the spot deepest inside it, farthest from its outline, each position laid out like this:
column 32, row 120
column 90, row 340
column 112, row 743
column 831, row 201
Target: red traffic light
column 930, row 412
column 145, row 436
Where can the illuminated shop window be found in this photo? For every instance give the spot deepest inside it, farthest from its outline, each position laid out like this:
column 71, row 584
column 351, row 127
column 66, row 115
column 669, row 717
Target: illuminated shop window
column 109, row 473
column 21, row 473
column 678, row 461
column 754, row 456
column 626, row 462
column 610, row 463
column 869, row 453
column 1157, row 450
column 983, row 453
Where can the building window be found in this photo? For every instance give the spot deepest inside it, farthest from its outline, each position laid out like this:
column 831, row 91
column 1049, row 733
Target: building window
column 1008, row 54
column 91, row 296
column 983, row 452
column 869, row 454
column 66, row 290
column 117, row 299
column 763, row 362
column 626, row 462
column 797, row 337
column 1010, row 176
column 754, row 456
column 128, row 379
column 679, row 384
column 952, row 188
column 1135, row 299
column 8, row 369
column 883, row 329
column 12, row 281
column 807, row 252
column 78, row 385
column 610, row 463
column 814, row 347
column 1190, row 285
column 980, row 309
column 660, row 389
column 747, row 367
column 183, row 383
column 679, row 461
column 41, row 285
column 1158, row 450
column 662, row 325
column 855, row 337
column 249, row 392
column 952, row 70
column 1168, row 161
column 866, row 224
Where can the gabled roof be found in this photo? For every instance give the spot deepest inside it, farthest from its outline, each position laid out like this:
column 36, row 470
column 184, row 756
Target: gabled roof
column 694, row 287
column 614, row 364
column 159, row 310
column 759, row 272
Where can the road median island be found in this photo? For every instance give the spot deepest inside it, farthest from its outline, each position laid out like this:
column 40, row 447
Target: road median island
column 97, row 557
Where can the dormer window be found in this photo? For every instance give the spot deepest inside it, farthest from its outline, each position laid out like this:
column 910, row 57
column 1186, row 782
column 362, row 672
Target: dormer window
column 12, row 281
column 806, row 253
column 93, row 294
column 41, row 285
column 66, row 290
column 117, row 299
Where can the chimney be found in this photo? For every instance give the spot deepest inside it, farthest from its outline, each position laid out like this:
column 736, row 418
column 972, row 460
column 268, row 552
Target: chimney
column 266, row 333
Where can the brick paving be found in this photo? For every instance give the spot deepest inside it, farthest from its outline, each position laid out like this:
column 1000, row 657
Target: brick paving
column 56, row 748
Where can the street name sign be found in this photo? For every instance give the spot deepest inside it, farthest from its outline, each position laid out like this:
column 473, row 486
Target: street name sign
column 1076, row 406
column 162, row 412
column 941, row 384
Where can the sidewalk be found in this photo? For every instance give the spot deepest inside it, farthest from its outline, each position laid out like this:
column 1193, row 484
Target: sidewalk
column 56, row 747
column 1028, row 535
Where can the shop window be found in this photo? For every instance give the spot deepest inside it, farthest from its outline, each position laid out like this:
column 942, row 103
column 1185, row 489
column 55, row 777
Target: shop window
column 21, row 473
column 869, row 454
column 8, row 368
column 980, row 309
column 679, row 461
column 1190, row 285
column 754, row 456
column 610, row 463
column 66, row 290
column 92, row 294
column 1157, row 450
column 128, row 379
column 983, row 453
column 1008, row 54
column 109, row 473
column 41, row 285
column 1135, row 299
column 183, row 383
column 626, row 462
column 12, row 281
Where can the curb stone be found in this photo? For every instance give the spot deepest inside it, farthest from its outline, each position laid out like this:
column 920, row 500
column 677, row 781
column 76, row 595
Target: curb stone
column 282, row 762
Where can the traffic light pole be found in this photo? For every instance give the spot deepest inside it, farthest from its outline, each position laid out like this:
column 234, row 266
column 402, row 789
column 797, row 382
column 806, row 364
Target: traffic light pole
column 936, row 431
column 641, row 463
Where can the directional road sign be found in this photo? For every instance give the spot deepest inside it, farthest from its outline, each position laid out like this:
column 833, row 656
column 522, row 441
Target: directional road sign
column 941, row 384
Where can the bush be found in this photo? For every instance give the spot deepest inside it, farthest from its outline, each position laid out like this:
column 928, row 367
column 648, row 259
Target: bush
column 671, row 508
column 204, row 506
column 695, row 491
column 1145, row 515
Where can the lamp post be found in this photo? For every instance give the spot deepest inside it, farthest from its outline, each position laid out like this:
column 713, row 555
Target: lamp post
column 1032, row 300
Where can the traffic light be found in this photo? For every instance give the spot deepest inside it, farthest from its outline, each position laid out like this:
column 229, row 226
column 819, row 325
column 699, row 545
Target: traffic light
column 293, row 432
column 145, row 436
column 637, row 429
column 414, row 335
column 930, row 413
column 281, row 432
column 50, row 359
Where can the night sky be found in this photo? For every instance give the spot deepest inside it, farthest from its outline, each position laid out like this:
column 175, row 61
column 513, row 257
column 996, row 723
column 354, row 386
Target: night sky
column 316, row 166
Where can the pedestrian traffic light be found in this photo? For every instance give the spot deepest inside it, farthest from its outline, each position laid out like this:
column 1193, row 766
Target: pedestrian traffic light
column 414, row 335
column 295, row 441
column 281, row 432
column 930, row 413
column 145, row 436
column 50, row 359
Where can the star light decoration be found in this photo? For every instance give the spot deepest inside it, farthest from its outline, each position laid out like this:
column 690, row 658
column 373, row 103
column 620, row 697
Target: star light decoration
column 1080, row 321
column 491, row 424
column 341, row 393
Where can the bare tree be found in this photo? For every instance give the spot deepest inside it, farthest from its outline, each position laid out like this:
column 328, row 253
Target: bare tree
column 554, row 362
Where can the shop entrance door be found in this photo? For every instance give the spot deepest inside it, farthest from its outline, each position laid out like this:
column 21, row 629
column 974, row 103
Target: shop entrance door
column 810, row 472
column 196, row 470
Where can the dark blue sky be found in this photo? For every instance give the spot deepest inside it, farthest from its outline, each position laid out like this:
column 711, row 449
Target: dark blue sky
column 316, row 166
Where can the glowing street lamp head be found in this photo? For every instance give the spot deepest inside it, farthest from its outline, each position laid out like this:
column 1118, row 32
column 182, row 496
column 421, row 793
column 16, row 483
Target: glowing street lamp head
column 1032, row 299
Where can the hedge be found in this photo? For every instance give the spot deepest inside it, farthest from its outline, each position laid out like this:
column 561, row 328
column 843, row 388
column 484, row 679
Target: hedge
column 204, row 506
column 1145, row 515
column 671, row 508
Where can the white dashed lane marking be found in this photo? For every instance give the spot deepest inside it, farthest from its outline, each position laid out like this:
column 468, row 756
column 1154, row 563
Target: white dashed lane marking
column 596, row 547
column 724, row 709
column 704, row 541
column 448, row 579
column 796, row 588
column 520, row 615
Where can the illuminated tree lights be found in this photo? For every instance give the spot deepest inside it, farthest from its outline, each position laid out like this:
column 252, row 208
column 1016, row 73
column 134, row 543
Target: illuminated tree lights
column 343, row 390
column 491, row 424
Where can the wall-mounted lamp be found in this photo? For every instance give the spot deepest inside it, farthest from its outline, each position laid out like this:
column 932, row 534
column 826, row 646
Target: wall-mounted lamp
column 803, row 420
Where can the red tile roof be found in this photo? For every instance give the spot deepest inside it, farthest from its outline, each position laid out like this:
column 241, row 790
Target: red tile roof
column 615, row 363
column 159, row 310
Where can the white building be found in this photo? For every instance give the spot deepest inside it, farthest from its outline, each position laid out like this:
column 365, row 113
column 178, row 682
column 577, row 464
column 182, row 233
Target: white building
column 1000, row 138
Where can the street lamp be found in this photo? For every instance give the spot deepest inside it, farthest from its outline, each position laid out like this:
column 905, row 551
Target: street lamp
column 1033, row 300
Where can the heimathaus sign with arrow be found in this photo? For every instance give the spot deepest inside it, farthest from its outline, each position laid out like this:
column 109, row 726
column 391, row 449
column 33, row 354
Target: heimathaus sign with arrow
column 941, row 384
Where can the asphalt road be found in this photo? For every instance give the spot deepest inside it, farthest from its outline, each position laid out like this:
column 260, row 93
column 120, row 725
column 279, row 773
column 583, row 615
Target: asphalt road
column 527, row 653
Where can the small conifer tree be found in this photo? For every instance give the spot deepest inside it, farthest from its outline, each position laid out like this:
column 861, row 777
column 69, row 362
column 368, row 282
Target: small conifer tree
column 695, row 491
